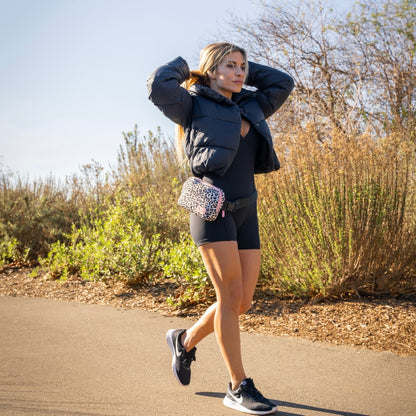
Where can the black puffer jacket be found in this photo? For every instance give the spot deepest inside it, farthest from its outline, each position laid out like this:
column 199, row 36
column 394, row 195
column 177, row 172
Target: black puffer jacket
column 212, row 122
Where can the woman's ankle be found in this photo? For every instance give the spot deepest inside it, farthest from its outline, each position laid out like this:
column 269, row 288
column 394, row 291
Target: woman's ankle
column 235, row 384
column 185, row 341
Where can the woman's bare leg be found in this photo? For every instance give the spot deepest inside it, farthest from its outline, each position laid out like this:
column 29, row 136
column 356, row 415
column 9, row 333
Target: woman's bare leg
column 250, row 265
column 234, row 275
column 224, row 268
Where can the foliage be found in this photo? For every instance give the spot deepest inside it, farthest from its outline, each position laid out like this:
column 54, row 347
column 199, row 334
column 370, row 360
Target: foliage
column 35, row 214
column 115, row 246
column 340, row 216
column 9, row 252
column 147, row 166
column 129, row 220
column 39, row 213
column 183, row 264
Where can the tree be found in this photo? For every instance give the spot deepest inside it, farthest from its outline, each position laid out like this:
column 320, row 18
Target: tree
column 383, row 44
column 353, row 72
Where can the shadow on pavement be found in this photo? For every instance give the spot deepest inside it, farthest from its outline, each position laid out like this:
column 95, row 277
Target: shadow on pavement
column 290, row 405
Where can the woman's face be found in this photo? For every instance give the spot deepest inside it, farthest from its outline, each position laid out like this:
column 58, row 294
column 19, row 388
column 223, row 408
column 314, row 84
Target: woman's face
column 228, row 78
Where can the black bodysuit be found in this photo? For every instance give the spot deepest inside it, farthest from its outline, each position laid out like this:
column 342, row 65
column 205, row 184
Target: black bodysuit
column 238, row 182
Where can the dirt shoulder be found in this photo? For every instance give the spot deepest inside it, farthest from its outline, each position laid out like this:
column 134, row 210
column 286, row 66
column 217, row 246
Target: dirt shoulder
column 381, row 324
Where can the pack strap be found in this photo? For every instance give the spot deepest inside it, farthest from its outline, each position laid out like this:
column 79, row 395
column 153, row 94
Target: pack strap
column 240, row 203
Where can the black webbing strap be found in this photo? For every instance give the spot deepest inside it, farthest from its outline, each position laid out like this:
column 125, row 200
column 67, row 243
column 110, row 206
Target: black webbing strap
column 240, row 203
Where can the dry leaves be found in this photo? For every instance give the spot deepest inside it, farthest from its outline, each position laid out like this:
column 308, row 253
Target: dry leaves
column 382, row 324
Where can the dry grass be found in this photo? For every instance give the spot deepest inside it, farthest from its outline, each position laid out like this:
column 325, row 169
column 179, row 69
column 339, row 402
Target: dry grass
column 340, row 215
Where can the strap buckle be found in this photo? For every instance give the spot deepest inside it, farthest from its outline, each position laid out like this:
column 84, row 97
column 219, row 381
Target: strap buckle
column 229, row 206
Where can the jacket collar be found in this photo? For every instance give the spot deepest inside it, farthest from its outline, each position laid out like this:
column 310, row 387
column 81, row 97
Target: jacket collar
column 208, row 92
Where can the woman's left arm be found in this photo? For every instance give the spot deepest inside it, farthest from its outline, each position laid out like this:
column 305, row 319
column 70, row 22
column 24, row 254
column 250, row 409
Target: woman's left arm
column 273, row 87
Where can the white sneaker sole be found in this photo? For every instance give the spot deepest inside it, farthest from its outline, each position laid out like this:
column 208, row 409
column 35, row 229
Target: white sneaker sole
column 236, row 406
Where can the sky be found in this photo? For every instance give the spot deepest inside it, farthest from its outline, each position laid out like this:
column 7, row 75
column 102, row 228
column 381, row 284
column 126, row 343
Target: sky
column 73, row 74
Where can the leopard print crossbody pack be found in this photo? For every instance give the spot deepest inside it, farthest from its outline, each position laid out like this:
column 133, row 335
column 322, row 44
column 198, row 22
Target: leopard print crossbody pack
column 201, row 198
column 207, row 201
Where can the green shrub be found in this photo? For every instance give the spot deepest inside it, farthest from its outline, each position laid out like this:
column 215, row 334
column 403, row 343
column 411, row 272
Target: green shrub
column 9, row 252
column 115, row 246
column 183, row 265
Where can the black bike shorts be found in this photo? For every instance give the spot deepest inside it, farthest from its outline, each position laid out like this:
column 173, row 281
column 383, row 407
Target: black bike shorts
column 241, row 226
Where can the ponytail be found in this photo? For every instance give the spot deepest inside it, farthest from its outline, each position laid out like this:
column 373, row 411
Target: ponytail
column 196, row 77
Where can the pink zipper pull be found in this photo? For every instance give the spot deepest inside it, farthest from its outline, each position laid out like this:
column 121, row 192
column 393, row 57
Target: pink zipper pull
column 223, row 213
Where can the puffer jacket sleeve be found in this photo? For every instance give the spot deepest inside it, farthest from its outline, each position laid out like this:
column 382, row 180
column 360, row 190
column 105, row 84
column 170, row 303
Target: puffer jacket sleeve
column 165, row 91
column 273, row 87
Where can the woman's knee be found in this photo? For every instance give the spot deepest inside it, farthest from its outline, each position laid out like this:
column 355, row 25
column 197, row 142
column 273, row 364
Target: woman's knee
column 245, row 305
column 232, row 297
column 236, row 298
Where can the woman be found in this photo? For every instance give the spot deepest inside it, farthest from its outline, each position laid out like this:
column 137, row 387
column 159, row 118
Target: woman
column 223, row 131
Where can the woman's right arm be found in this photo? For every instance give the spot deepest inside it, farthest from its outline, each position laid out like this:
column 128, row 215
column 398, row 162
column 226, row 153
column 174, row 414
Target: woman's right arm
column 165, row 91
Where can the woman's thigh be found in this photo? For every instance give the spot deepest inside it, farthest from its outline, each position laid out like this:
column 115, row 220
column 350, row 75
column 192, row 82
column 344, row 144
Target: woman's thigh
column 222, row 261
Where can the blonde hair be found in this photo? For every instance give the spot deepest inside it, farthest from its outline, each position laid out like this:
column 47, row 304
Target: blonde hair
column 209, row 58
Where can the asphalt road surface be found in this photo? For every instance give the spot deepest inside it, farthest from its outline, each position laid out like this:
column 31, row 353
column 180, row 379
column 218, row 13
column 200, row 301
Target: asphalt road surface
column 68, row 359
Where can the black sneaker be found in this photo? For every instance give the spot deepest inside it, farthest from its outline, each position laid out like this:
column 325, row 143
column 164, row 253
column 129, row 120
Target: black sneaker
column 181, row 360
column 246, row 398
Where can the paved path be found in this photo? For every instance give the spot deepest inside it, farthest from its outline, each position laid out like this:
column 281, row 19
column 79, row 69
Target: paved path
column 68, row 359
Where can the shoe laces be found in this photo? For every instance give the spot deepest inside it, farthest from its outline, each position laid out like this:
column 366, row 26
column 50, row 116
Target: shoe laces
column 250, row 390
column 188, row 357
